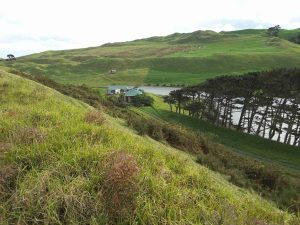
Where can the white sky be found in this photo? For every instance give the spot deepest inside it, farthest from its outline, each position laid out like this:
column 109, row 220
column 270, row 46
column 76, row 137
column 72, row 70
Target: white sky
column 28, row 26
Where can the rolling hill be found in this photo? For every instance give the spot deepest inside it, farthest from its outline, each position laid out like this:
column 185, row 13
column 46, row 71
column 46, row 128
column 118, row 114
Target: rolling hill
column 64, row 162
column 177, row 59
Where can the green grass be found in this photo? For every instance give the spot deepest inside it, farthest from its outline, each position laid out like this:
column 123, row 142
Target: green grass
column 175, row 59
column 58, row 169
column 270, row 151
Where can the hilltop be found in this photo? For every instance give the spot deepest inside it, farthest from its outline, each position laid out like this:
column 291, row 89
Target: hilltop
column 177, row 59
column 62, row 161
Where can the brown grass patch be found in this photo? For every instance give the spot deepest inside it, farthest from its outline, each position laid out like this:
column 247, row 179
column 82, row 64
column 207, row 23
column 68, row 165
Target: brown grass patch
column 13, row 113
column 4, row 87
column 4, row 147
column 255, row 221
column 8, row 177
column 30, row 135
column 95, row 117
column 120, row 186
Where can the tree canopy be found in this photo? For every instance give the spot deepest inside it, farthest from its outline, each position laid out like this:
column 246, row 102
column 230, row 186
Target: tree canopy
column 274, row 31
column 266, row 103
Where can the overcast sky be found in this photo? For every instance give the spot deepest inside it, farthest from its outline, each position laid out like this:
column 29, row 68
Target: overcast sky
column 29, row 26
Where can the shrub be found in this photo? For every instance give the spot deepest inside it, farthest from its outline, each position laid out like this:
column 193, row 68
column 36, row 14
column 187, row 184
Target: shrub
column 120, row 185
column 182, row 139
column 114, row 100
column 142, row 100
column 295, row 39
column 137, row 123
column 154, row 131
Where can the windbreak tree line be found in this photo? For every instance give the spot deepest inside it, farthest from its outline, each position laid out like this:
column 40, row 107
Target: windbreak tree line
column 266, row 103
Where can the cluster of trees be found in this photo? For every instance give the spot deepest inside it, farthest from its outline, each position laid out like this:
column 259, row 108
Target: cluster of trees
column 274, row 31
column 266, row 104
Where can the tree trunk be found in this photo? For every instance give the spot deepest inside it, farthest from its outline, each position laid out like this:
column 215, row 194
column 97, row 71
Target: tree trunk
column 261, row 121
column 246, row 102
column 276, row 118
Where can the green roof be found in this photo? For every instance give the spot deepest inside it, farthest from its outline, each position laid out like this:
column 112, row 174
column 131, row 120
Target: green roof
column 133, row 92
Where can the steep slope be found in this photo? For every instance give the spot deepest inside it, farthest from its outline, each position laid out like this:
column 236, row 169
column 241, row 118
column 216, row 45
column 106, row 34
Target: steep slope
column 63, row 162
column 175, row 59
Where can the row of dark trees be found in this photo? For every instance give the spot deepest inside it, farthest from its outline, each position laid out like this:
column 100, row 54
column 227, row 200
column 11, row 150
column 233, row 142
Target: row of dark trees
column 266, row 104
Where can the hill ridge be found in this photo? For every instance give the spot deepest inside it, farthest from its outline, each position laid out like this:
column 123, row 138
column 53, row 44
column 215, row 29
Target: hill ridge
column 176, row 59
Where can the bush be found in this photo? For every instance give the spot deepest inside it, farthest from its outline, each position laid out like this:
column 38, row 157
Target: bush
column 142, row 100
column 154, row 131
column 295, row 39
column 114, row 100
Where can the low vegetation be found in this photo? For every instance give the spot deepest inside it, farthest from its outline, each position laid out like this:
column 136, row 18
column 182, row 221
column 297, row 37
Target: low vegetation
column 142, row 100
column 67, row 176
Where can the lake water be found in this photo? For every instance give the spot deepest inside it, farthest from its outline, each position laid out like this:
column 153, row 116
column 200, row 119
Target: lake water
column 159, row 90
column 154, row 89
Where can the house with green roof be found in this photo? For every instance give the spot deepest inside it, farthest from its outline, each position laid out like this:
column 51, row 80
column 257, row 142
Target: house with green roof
column 127, row 92
column 131, row 93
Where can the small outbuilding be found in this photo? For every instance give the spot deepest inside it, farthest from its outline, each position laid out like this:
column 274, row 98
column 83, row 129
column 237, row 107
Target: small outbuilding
column 113, row 71
column 116, row 90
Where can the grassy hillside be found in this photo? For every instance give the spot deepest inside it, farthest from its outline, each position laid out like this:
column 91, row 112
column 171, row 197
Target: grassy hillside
column 259, row 148
column 175, row 59
column 63, row 162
